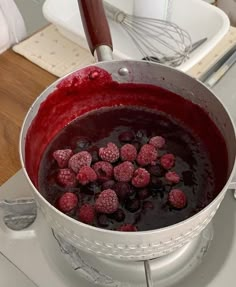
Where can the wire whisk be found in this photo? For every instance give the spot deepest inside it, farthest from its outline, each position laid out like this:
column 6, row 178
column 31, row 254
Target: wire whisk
column 157, row 40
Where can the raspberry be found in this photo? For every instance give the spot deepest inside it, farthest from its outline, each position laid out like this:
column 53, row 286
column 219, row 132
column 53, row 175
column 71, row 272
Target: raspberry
column 66, row 177
column 104, row 170
column 86, row 213
column 177, row 198
column 67, row 202
column 123, row 190
column 107, row 202
column 172, row 177
column 127, row 227
column 79, row 160
column 167, row 160
column 141, row 178
column 157, row 141
column 86, row 175
column 147, row 155
column 124, row 171
column 128, row 152
column 62, row 157
column 109, row 153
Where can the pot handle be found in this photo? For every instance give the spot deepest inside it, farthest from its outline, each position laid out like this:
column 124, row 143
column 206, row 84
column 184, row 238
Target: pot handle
column 96, row 28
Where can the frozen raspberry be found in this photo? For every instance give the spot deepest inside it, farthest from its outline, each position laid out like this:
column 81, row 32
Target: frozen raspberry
column 66, row 177
column 86, row 213
column 124, row 171
column 157, row 141
column 109, row 153
column 62, row 157
column 172, row 177
column 86, row 175
column 79, row 160
column 107, row 202
column 141, row 178
column 104, row 170
column 128, row 152
column 67, row 202
column 177, row 198
column 167, row 160
column 147, row 155
column 127, row 227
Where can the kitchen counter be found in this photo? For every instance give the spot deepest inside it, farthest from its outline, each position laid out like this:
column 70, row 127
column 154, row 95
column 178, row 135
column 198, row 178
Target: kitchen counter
column 20, row 83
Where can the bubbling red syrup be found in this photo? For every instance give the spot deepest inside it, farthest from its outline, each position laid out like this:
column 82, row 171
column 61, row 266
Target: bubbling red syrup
column 99, row 109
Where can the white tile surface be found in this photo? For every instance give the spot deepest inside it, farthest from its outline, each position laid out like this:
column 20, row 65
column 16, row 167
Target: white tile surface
column 10, row 276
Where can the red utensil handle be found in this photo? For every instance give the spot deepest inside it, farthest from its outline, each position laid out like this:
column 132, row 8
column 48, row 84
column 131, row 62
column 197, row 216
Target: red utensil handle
column 95, row 24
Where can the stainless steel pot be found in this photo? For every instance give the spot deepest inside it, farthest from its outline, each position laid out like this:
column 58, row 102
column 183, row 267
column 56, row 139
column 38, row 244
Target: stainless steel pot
column 123, row 245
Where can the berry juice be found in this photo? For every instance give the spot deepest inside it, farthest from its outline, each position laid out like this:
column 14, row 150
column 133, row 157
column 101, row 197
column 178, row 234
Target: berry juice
column 146, row 207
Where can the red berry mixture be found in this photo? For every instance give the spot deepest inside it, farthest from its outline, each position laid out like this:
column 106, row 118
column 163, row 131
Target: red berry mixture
column 177, row 198
column 104, row 170
column 62, row 157
column 109, row 153
column 86, row 213
column 67, row 202
column 124, row 171
column 86, row 175
column 79, row 160
column 168, row 161
column 128, row 152
column 66, row 177
column 147, row 155
column 115, row 171
column 157, row 142
column 141, row 178
column 172, row 177
column 107, row 202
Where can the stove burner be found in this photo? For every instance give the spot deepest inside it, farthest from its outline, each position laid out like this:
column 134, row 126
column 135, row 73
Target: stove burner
column 164, row 271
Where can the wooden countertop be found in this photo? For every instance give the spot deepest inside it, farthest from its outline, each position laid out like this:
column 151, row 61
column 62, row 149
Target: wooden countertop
column 20, row 83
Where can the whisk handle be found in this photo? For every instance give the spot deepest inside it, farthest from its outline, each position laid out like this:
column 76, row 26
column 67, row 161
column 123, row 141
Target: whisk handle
column 95, row 24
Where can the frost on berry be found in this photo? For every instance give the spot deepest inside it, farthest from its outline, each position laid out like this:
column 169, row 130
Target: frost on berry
column 141, row 178
column 124, row 171
column 62, row 157
column 79, row 160
column 110, row 153
column 107, row 202
column 104, row 170
column 67, row 202
column 147, row 155
column 157, row 142
column 128, row 152
column 66, row 177
column 86, row 175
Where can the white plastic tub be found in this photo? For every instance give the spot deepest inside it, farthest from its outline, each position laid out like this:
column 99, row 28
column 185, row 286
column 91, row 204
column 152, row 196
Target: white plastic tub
column 199, row 18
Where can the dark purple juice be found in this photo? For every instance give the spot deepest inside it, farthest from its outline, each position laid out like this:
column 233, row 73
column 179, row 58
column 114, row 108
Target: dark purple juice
column 146, row 208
